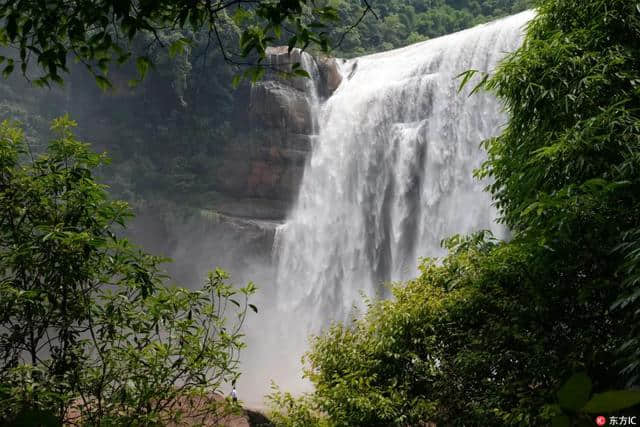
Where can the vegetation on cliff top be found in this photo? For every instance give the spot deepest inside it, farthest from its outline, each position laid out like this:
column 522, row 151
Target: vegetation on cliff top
column 398, row 23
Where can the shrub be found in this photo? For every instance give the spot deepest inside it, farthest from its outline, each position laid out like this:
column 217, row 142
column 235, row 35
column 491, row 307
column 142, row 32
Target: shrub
column 89, row 330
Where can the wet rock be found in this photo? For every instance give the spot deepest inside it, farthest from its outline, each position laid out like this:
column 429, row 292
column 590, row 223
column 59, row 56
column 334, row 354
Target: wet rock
column 281, row 61
column 272, row 104
column 330, row 76
column 277, row 113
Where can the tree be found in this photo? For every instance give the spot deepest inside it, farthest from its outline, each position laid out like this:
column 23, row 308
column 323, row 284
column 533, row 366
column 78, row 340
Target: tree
column 486, row 337
column 566, row 166
column 399, row 23
column 98, row 33
column 107, row 31
column 89, row 330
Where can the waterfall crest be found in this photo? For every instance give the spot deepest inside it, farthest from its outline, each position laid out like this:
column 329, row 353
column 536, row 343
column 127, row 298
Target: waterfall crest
column 390, row 173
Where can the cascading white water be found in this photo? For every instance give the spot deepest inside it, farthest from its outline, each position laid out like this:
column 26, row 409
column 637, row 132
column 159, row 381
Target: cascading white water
column 390, row 174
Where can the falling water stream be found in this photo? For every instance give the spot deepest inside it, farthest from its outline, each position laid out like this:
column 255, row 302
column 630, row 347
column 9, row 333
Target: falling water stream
column 390, row 175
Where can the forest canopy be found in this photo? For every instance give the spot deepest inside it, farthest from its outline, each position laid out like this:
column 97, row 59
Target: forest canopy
column 395, row 23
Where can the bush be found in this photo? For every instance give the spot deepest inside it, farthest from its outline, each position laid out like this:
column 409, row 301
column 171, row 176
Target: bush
column 289, row 411
column 475, row 341
column 88, row 328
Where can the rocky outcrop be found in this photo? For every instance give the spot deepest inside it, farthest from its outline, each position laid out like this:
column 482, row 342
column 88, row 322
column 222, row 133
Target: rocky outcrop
column 330, row 76
column 276, row 105
column 201, row 240
column 266, row 166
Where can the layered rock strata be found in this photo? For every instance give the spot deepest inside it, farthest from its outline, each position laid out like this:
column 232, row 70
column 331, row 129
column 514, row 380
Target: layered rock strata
column 261, row 175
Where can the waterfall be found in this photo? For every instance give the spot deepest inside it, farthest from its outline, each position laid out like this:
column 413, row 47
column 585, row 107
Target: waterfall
column 390, row 173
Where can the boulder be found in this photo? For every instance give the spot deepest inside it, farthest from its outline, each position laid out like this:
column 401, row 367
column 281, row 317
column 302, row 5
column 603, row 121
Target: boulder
column 330, row 76
column 273, row 104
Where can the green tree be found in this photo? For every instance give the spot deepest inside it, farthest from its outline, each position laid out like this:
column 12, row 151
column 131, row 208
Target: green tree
column 97, row 33
column 107, row 31
column 395, row 23
column 89, row 330
column 486, row 337
column 566, row 166
column 289, row 411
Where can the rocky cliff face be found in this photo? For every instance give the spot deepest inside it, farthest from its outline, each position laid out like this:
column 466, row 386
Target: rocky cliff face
column 275, row 116
column 162, row 141
column 255, row 183
column 211, row 175
column 201, row 240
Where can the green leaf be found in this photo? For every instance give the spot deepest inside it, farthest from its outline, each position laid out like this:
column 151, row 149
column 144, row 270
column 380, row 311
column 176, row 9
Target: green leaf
column 254, row 308
column 142, row 65
column 466, row 76
column 235, row 82
column 240, row 16
column 612, row 401
column 35, row 417
column 178, row 47
column 123, row 57
column 258, row 74
column 12, row 26
column 575, row 392
column 103, row 83
column 7, row 70
column 301, row 73
column 292, row 43
column 481, row 84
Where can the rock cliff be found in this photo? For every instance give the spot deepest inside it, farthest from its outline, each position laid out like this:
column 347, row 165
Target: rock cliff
column 211, row 172
column 275, row 116
column 256, row 178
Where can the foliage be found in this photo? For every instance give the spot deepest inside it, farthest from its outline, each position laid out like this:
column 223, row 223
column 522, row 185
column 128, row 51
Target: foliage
column 98, row 33
column 575, row 405
column 566, row 166
column 289, row 411
column 89, row 331
column 488, row 334
column 395, row 23
column 484, row 338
